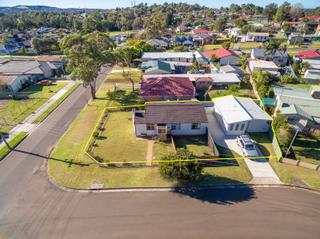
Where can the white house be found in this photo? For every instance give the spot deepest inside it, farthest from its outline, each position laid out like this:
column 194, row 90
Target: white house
column 268, row 66
column 238, row 116
column 173, row 56
column 278, row 57
column 257, row 37
column 165, row 119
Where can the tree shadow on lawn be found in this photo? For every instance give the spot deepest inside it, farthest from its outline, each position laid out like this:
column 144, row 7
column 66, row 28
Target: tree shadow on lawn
column 200, row 190
column 124, row 97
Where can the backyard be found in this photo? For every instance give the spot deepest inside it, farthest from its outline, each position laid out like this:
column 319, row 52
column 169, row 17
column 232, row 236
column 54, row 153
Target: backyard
column 244, row 91
column 118, row 76
column 12, row 112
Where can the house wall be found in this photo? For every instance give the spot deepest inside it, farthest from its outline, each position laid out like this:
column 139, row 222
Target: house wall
column 257, row 126
column 159, row 98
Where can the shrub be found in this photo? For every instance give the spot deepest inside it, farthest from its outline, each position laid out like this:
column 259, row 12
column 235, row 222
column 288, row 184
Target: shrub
column 186, row 170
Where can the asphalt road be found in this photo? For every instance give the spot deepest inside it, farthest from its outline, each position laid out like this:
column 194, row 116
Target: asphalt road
column 30, row 207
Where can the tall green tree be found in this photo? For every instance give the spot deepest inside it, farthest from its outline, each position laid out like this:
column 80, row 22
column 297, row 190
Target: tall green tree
column 270, row 10
column 283, row 13
column 86, row 54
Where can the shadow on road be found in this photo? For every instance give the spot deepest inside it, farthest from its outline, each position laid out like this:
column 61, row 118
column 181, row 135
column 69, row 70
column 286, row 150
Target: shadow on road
column 67, row 161
column 238, row 194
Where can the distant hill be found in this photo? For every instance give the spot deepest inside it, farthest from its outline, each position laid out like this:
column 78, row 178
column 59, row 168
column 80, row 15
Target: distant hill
column 26, row 8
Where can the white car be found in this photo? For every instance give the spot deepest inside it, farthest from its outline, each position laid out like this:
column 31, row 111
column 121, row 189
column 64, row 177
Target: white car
column 248, row 147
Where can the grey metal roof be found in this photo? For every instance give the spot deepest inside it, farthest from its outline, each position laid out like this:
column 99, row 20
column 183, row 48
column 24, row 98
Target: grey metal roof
column 174, row 113
column 253, row 109
column 20, row 67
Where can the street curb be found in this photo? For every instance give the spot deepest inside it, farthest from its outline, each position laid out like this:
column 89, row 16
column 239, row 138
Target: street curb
column 3, row 158
column 173, row 189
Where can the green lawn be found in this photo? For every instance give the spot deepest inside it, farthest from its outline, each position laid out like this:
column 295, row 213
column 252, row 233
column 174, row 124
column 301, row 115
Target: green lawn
column 296, row 175
column 56, row 104
column 117, row 142
column 249, row 45
column 264, row 143
column 315, row 44
column 212, row 47
column 161, row 149
column 13, row 143
column 307, row 149
column 198, row 145
column 245, row 91
column 12, row 112
column 119, row 77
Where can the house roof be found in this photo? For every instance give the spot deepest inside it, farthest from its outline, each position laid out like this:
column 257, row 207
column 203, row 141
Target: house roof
column 160, row 66
column 7, row 79
column 261, row 52
column 20, row 67
column 50, row 58
column 231, row 69
column 263, row 64
column 200, row 31
column 261, row 34
column 204, row 79
column 309, row 54
column 175, row 113
column 157, row 42
column 235, row 110
column 166, row 86
column 220, row 53
column 295, row 23
column 165, row 55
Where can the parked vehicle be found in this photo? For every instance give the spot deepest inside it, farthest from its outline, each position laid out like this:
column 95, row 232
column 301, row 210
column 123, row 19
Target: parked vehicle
column 45, row 82
column 248, row 147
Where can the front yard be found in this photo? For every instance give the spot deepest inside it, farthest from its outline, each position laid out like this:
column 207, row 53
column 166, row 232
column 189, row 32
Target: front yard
column 118, row 76
column 306, row 149
column 71, row 167
column 198, row 145
column 12, row 112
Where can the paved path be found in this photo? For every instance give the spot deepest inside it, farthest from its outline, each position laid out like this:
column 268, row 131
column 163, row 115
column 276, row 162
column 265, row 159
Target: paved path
column 27, row 124
column 150, row 152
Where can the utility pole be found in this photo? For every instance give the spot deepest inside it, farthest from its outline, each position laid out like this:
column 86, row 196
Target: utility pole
column 5, row 141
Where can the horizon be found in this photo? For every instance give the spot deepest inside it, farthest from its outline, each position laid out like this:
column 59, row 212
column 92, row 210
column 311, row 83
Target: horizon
column 96, row 4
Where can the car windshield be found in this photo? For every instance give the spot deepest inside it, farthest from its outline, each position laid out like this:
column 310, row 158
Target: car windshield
column 249, row 147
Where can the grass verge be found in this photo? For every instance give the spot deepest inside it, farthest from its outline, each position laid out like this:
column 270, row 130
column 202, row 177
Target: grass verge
column 12, row 143
column 52, row 107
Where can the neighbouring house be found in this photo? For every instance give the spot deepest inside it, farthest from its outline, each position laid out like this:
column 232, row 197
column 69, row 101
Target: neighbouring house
column 11, row 83
column 268, row 66
column 299, row 103
column 156, row 67
column 234, row 31
column 203, row 83
column 223, row 56
column 309, row 54
column 158, row 43
column 231, row 69
column 163, row 87
column 182, row 28
column 295, row 39
column 218, row 79
column 297, row 26
column 257, row 37
column 239, row 116
column 279, row 58
column 203, row 39
column 313, row 72
column 201, row 32
column 174, row 56
column 120, row 38
column 311, row 24
column 166, row 119
column 18, row 73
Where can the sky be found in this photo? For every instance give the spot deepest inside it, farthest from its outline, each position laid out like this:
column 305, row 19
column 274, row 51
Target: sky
column 125, row 3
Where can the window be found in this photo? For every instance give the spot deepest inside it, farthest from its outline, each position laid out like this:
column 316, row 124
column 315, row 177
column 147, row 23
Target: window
column 237, row 127
column 150, row 126
column 175, row 126
column 231, row 127
column 195, row 126
column 162, row 131
column 242, row 127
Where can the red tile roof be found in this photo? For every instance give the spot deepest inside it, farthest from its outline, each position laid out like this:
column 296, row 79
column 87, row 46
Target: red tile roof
column 7, row 79
column 167, row 86
column 200, row 31
column 295, row 23
column 308, row 54
column 317, row 18
column 204, row 79
column 220, row 53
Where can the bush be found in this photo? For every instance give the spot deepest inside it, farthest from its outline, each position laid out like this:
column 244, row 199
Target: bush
column 186, row 170
column 283, row 130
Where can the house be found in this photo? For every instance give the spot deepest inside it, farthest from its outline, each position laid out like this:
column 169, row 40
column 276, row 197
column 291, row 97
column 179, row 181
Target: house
column 257, row 37
column 299, row 103
column 268, row 66
column 203, row 39
column 297, row 26
column 174, row 56
column 200, row 32
column 223, row 56
column 182, row 28
column 234, row 31
column 156, row 67
column 295, row 39
column 166, row 119
column 279, row 58
column 11, row 83
column 239, row 116
column 231, row 69
column 158, row 43
column 155, row 88
column 203, row 83
column 309, row 54
column 313, row 72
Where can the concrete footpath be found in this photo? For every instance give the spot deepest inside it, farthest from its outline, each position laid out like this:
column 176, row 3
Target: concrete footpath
column 27, row 125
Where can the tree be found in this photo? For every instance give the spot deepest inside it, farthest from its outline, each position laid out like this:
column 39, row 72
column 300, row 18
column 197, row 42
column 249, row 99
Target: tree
column 157, row 25
column 196, row 66
column 45, row 45
column 240, row 22
column 219, row 25
column 283, row 13
column 270, row 10
column 124, row 56
column 214, row 58
column 296, row 11
column 262, row 82
column 285, row 79
column 283, row 130
column 226, row 44
column 234, row 88
column 273, row 46
column 86, row 54
column 243, row 61
column 181, row 166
